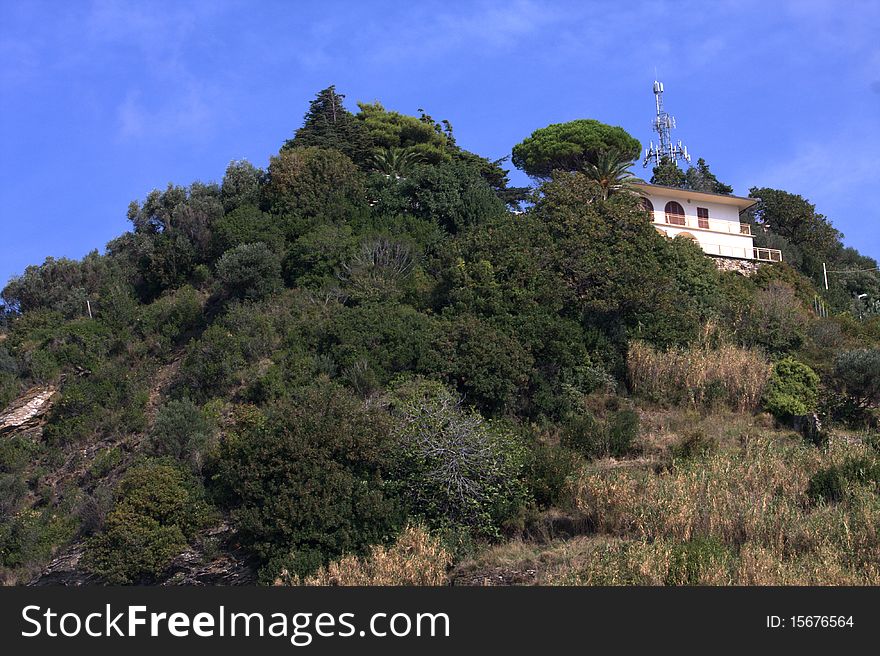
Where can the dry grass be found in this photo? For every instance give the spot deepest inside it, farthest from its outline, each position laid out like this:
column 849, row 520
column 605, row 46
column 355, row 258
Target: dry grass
column 739, row 515
column 415, row 558
column 699, row 376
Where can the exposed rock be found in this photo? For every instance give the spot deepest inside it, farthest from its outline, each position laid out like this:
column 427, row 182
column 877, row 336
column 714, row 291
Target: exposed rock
column 215, row 560
column 737, row 265
column 27, row 412
column 228, row 566
column 65, row 569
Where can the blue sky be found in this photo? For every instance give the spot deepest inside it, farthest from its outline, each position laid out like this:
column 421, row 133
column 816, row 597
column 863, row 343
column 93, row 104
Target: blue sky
column 100, row 102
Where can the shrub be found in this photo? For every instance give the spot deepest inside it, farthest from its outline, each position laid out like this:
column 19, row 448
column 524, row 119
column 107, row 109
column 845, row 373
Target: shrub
column 180, row 431
column 158, row 510
column 452, row 466
column 547, row 471
column 211, row 363
column 169, row 318
column 312, row 186
column 830, row 484
column 30, row 536
column 249, row 271
column 694, row 444
column 415, row 558
column 793, row 390
column 304, row 480
column 601, row 439
column 109, row 400
column 698, row 375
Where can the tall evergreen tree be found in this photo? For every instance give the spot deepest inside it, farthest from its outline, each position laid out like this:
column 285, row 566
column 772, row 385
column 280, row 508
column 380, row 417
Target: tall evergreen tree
column 328, row 124
column 668, row 173
column 700, row 178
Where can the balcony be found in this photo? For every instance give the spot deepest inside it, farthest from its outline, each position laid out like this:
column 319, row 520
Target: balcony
column 700, row 223
column 747, row 253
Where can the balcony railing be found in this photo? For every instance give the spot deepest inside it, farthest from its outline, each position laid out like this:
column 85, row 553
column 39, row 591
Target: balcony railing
column 700, row 223
column 749, row 253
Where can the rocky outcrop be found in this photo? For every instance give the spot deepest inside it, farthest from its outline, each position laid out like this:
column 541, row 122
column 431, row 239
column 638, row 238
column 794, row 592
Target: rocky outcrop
column 215, row 560
column 27, row 412
column 65, row 569
column 197, row 566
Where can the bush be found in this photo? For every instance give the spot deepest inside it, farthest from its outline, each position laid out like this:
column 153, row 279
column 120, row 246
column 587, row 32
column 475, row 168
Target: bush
column 489, row 366
column 793, row 390
column 158, row 510
column 249, row 271
column 452, row 466
column 547, row 472
column 110, row 400
column 180, row 431
column 304, row 480
column 777, row 320
column 168, row 319
column 211, row 363
column 832, row 483
column 592, row 438
column 694, row 444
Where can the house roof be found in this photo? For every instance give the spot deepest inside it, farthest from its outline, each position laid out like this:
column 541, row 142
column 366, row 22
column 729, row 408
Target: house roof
column 676, row 192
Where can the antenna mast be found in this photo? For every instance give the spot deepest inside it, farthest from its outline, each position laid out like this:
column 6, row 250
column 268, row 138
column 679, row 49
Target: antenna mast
column 662, row 125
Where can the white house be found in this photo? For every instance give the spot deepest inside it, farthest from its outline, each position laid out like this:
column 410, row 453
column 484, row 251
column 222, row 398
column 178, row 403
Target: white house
column 711, row 220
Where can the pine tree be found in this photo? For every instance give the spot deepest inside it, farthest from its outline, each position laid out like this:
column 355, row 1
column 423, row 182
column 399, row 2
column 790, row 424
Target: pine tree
column 668, row 173
column 700, row 178
column 328, row 124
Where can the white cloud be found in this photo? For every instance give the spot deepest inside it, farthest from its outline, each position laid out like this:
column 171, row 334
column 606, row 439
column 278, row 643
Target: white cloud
column 188, row 113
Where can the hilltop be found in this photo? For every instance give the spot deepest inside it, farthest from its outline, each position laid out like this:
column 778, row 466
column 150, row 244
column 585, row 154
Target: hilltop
column 374, row 361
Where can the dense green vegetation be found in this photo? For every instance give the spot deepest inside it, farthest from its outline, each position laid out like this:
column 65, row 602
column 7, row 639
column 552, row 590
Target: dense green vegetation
column 363, row 338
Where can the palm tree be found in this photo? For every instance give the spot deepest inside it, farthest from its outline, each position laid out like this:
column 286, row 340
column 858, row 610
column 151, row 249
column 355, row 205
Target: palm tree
column 610, row 174
column 397, row 162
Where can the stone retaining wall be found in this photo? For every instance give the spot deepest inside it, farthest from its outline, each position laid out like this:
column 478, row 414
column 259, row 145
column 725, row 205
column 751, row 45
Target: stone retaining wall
column 744, row 267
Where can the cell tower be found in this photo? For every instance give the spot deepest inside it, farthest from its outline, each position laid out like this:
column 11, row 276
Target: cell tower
column 663, row 124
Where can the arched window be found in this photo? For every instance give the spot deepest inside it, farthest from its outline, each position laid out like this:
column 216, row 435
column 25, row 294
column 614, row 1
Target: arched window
column 674, row 213
column 649, row 206
column 687, row 235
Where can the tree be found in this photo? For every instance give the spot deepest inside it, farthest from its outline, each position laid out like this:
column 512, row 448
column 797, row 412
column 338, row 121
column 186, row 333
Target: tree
column 605, row 251
column 249, row 271
column 700, row 178
column 454, row 468
column 570, row 146
column 396, row 162
column 311, row 186
column 450, row 194
column 241, row 185
column 668, row 174
column 793, row 389
column 328, row 124
column 389, row 129
column 796, row 219
column 611, row 174
column 857, row 374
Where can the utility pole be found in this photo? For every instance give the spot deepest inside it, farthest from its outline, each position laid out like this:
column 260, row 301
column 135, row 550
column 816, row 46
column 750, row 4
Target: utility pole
column 825, row 275
column 89, row 307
